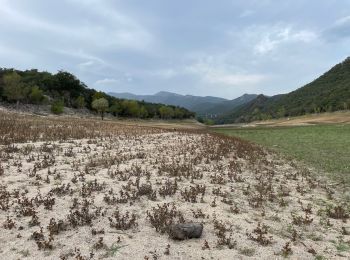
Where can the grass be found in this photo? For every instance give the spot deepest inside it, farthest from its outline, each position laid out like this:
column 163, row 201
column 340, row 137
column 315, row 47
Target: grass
column 325, row 147
column 111, row 251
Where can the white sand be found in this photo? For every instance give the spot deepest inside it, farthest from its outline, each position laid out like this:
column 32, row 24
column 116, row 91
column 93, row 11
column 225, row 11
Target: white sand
column 149, row 155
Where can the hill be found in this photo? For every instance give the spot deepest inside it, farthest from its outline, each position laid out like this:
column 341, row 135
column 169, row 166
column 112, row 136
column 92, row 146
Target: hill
column 214, row 110
column 330, row 92
column 169, row 98
column 204, row 106
column 64, row 89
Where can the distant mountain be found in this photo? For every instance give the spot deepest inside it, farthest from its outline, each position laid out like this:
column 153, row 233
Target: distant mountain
column 213, row 110
column 168, row 98
column 329, row 92
column 204, row 106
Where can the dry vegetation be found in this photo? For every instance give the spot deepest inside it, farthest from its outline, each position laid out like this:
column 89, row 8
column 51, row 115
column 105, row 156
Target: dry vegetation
column 86, row 189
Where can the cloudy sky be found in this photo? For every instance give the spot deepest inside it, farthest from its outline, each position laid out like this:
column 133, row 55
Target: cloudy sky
column 203, row 47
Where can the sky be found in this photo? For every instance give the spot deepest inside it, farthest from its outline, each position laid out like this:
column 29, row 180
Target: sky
column 221, row 48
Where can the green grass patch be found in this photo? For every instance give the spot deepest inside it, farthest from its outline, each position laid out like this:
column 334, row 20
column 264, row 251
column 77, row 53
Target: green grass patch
column 325, row 147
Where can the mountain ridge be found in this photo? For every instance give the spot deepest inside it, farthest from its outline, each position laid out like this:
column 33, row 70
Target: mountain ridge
column 327, row 93
column 202, row 105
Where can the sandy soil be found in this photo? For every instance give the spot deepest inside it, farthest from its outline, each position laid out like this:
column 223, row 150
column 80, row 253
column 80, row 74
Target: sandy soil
column 86, row 187
column 340, row 117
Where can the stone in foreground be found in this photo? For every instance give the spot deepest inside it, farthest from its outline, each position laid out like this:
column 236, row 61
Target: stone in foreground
column 185, row 231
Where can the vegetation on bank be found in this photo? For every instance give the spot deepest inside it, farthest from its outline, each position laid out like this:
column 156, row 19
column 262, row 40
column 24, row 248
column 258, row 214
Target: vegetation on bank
column 325, row 147
column 205, row 121
column 65, row 90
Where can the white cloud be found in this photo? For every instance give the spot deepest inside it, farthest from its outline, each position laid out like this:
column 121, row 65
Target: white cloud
column 88, row 61
column 101, row 40
column 115, row 30
column 221, row 74
column 86, row 64
column 121, row 30
column 107, row 81
column 276, row 36
column 342, row 21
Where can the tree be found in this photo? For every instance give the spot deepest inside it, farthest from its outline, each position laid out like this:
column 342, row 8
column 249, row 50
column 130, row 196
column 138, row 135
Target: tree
column 281, row 112
column 200, row 119
column 131, row 108
column 345, row 106
column 36, row 95
column 57, row 107
column 98, row 95
column 100, row 105
column 13, row 87
column 143, row 112
column 178, row 113
column 116, row 108
column 33, row 86
column 80, row 102
column 68, row 86
column 166, row 112
column 208, row 121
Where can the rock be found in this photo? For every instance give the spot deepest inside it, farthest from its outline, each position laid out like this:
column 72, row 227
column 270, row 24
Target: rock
column 186, row 231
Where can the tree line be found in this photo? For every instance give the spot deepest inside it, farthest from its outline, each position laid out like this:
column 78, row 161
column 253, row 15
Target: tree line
column 63, row 89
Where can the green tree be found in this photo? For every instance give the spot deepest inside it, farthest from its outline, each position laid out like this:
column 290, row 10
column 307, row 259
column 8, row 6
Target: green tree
column 36, row 95
column 281, row 112
column 143, row 112
column 166, row 112
column 178, row 113
column 345, row 106
column 116, row 108
column 98, row 95
column 131, row 108
column 209, row 121
column 80, row 102
column 57, row 107
column 100, row 105
column 200, row 119
column 13, row 87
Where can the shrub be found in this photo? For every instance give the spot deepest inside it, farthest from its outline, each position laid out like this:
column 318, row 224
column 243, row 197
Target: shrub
column 100, row 105
column 57, row 107
column 36, row 95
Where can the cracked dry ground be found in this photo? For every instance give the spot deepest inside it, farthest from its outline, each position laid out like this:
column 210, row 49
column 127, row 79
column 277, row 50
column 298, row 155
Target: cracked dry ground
column 113, row 196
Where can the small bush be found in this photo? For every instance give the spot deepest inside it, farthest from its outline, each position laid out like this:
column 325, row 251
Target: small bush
column 57, row 107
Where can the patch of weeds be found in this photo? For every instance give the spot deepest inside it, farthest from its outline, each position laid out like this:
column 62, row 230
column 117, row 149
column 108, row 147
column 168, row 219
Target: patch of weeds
column 286, row 250
column 24, row 253
column 113, row 249
column 247, row 251
column 315, row 237
column 260, row 235
column 338, row 212
column 342, row 246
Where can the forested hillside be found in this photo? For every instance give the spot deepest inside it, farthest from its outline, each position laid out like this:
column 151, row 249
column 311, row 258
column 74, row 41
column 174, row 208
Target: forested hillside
column 213, row 110
column 193, row 103
column 64, row 89
column 204, row 107
column 330, row 92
